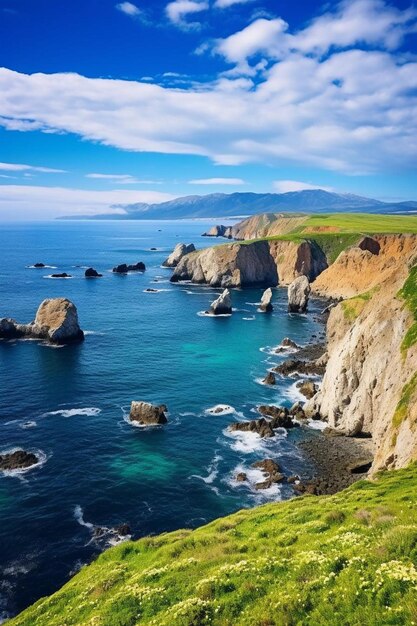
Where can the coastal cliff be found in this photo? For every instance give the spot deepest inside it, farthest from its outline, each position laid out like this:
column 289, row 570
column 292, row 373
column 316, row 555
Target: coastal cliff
column 264, row 262
column 370, row 384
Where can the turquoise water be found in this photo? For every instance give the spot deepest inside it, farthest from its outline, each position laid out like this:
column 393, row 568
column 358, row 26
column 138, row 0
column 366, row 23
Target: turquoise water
column 70, row 403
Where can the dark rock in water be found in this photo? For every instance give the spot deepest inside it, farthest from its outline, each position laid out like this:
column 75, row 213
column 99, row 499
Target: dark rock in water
column 260, row 426
column 123, row 530
column 92, row 273
column 20, row 459
column 124, row 268
column 280, row 416
column 241, row 477
column 148, row 414
column 296, row 366
column 269, row 379
column 40, row 265
column 56, row 321
column 150, row 290
column 289, row 343
column 292, row 479
column 272, row 473
column 62, row 275
column 153, row 249
column 307, row 388
column 223, row 304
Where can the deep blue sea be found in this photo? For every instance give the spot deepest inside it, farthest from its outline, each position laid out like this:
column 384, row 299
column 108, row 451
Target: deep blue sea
column 69, row 404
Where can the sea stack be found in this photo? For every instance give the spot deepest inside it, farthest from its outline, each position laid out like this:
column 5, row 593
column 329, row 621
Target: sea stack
column 266, row 306
column 148, row 414
column 92, row 273
column 223, row 304
column 298, row 294
column 180, row 250
column 124, row 268
column 56, row 321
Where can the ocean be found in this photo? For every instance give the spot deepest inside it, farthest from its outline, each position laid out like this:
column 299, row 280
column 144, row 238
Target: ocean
column 70, row 404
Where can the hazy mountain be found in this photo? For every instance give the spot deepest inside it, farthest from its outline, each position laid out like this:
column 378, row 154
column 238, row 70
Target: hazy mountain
column 242, row 204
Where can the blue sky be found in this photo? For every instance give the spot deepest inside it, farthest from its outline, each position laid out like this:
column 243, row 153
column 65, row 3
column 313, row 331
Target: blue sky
column 105, row 102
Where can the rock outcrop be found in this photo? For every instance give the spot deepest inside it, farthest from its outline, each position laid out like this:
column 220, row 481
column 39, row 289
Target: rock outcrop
column 19, row 459
column 92, row 273
column 222, row 305
column 219, row 231
column 180, row 250
column 124, row 268
column 229, row 265
column 296, row 258
column 266, row 306
column 298, row 294
column 148, row 414
column 272, row 473
column 270, row 379
column 61, row 275
column 366, row 265
column 56, row 321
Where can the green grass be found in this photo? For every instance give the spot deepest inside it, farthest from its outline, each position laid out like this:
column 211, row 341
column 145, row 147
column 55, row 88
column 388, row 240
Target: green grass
column 408, row 293
column 353, row 307
column 344, row 560
column 407, row 396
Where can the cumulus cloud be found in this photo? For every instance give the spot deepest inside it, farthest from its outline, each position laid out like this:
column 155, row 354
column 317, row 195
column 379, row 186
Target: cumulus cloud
column 284, row 186
column 21, row 167
column 351, row 109
column 38, row 202
column 179, row 10
column 217, row 181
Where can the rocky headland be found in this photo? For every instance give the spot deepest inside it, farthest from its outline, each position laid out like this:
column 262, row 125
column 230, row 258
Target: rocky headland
column 180, row 250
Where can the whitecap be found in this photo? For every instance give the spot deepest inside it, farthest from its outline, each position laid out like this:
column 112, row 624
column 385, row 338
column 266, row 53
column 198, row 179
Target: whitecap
column 58, row 277
column 253, row 476
column 42, row 458
column 249, row 319
column 79, row 516
column 220, row 409
column 208, row 314
column 108, row 536
column 317, row 424
column 87, row 412
column 212, row 469
column 29, row 424
column 245, row 442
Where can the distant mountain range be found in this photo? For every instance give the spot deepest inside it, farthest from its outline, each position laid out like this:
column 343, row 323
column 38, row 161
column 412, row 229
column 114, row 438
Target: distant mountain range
column 243, row 204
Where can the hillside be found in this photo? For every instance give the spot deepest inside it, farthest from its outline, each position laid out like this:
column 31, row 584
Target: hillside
column 345, row 559
column 247, row 203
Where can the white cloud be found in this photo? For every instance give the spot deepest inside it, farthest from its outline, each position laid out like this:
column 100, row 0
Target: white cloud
column 217, row 181
column 224, row 4
column 352, row 110
column 129, row 9
column 284, row 186
column 122, row 179
column 37, row 202
column 20, row 167
column 178, row 11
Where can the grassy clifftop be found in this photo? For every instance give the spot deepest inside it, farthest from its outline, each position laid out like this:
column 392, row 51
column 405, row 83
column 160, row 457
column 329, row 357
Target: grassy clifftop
column 348, row 559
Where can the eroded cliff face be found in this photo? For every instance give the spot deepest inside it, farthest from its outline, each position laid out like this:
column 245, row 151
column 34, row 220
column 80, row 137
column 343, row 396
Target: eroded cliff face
column 370, row 384
column 229, row 265
column 365, row 266
column 258, row 263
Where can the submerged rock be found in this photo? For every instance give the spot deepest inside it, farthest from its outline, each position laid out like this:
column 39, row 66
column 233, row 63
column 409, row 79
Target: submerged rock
column 298, row 294
column 19, row 459
column 146, row 413
column 223, row 304
column 92, row 273
column 56, row 321
column 61, row 275
column 124, row 268
column 260, row 426
column 180, row 250
column 266, row 305
column 39, row 265
column 241, row 477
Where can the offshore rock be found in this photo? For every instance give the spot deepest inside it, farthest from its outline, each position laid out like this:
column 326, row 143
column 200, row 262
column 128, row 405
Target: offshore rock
column 223, row 304
column 92, row 273
column 219, row 231
column 148, row 414
column 19, row 459
column 266, row 306
column 56, row 321
column 298, row 293
column 124, row 268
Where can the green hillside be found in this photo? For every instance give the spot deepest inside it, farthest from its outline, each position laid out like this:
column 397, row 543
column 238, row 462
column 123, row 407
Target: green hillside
column 345, row 560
